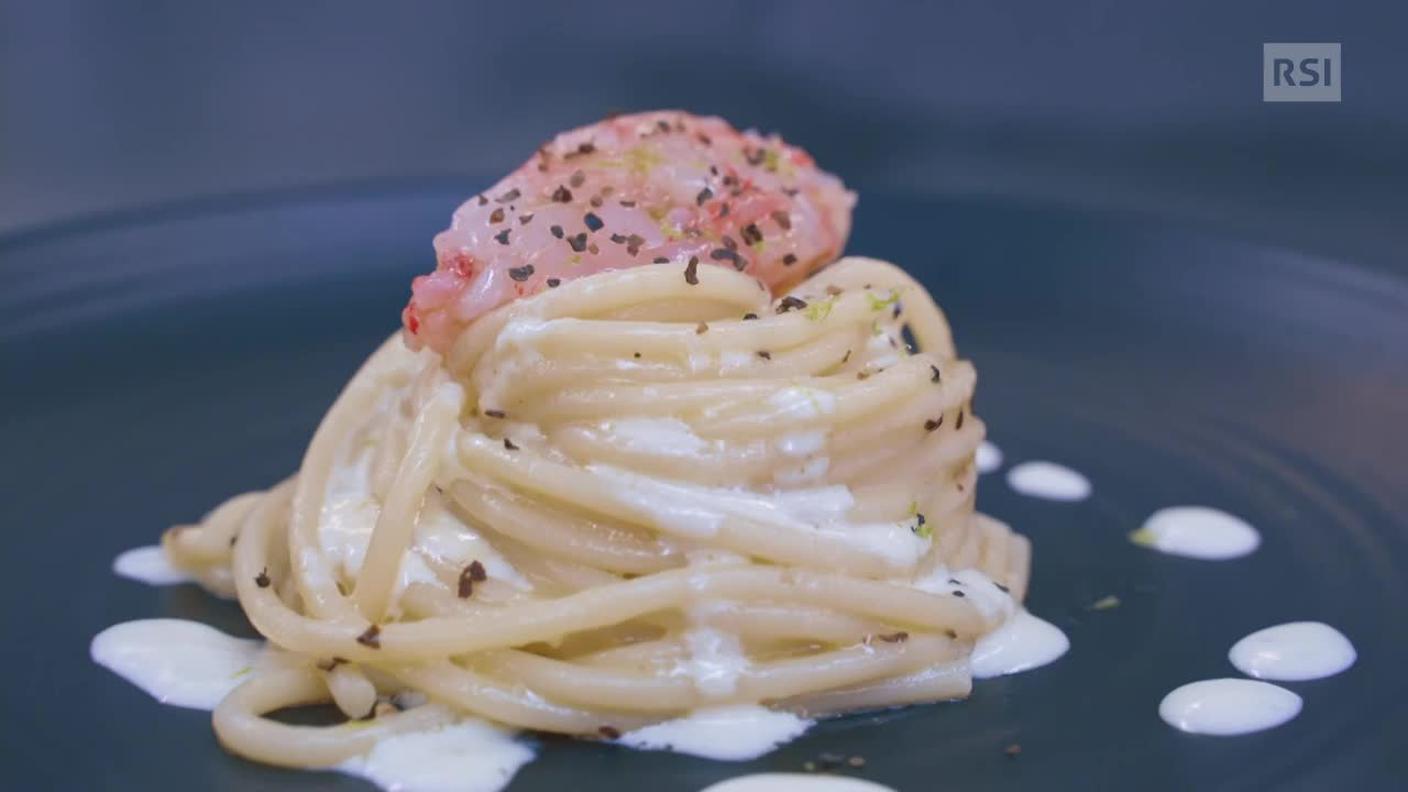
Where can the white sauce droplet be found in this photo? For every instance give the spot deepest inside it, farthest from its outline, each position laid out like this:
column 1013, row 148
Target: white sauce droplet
column 733, row 733
column 1024, row 642
column 1228, row 706
column 1197, row 532
column 181, row 663
column 1048, row 480
column 1294, row 651
column 989, row 457
column 149, row 565
column 469, row 756
column 798, row 782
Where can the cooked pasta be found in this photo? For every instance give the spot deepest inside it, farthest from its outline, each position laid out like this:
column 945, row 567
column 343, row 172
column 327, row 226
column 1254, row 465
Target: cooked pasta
column 616, row 501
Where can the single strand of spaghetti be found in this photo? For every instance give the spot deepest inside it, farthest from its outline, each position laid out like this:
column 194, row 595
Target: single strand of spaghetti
column 557, row 532
column 396, row 521
column 241, row 727
column 469, row 691
column 940, row 682
column 603, row 293
column 926, row 320
column 852, row 665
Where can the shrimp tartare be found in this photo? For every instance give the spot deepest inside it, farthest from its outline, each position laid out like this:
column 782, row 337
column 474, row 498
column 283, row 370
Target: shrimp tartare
column 649, row 188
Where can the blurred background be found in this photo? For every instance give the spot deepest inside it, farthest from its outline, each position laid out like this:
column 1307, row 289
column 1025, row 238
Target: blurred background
column 1152, row 107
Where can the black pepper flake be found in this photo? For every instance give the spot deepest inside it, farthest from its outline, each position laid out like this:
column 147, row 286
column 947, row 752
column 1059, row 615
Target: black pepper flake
column 578, row 242
column 627, row 204
column 846, row 357
column 862, row 375
column 1002, row 588
column 482, row 200
column 525, row 219
column 729, row 243
column 705, row 139
column 895, row 314
column 593, row 222
column 755, row 156
column 619, row 239
column 958, row 594
column 577, row 179
column 661, row 260
column 636, row 356
column 553, row 283
column 508, row 445
column 609, row 732
column 511, row 195
column 724, row 254
column 951, row 634
column 371, row 637
column 556, row 231
column 790, row 303
column 790, row 192
column 262, row 579
column 691, row 271
column 723, row 209
column 933, row 423
column 522, row 273
column 663, row 125
column 898, row 637
column 595, row 202
column 593, row 249
column 497, row 216
column 633, row 243
column 562, row 194
column 500, row 414
column 701, row 328
column 955, row 582
column 474, row 573
column 751, row 234
column 789, row 259
column 764, row 354
column 330, row 664
column 704, row 195
column 783, row 219
column 748, row 317
column 958, row 423
column 502, row 237
column 937, row 376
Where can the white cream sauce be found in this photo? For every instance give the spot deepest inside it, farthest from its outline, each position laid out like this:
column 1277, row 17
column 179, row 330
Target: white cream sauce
column 1197, row 532
column 470, row 755
column 796, row 782
column 1022, row 643
column 732, row 734
column 1228, row 706
column 178, row 662
column 716, row 659
column 1048, row 480
column 803, row 402
column 988, row 458
column 1293, row 652
column 661, row 436
column 149, row 565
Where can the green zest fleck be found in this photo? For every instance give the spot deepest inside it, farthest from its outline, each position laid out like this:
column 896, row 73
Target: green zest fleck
column 771, row 159
column 241, row 672
column 1105, row 603
column 921, row 527
column 820, row 309
column 1143, row 537
column 877, row 304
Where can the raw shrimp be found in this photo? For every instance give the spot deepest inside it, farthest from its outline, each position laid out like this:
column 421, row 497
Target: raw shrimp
column 658, row 188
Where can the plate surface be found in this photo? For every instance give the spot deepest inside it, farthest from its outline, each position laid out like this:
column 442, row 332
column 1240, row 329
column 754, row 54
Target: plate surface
column 155, row 363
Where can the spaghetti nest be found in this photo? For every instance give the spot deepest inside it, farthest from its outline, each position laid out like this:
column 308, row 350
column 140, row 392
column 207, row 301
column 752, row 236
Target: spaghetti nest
column 631, row 496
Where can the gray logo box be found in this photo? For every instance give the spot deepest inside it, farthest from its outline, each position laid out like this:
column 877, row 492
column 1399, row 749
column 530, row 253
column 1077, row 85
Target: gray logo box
column 1301, row 72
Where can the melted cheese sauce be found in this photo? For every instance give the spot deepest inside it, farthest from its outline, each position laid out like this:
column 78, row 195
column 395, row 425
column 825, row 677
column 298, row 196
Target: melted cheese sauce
column 1197, row 532
column 988, row 458
column 1227, row 707
column 732, row 734
column 1024, row 642
column 470, row 755
column 148, row 565
column 1048, row 480
column 1293, row 652
column 796, row 782
column 178, row 662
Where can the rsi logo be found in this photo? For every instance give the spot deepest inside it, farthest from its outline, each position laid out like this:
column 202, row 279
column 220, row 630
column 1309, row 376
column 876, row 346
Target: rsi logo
column 1301, row 72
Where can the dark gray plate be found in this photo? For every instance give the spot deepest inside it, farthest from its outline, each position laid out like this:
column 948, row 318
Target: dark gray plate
column 155, row 363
